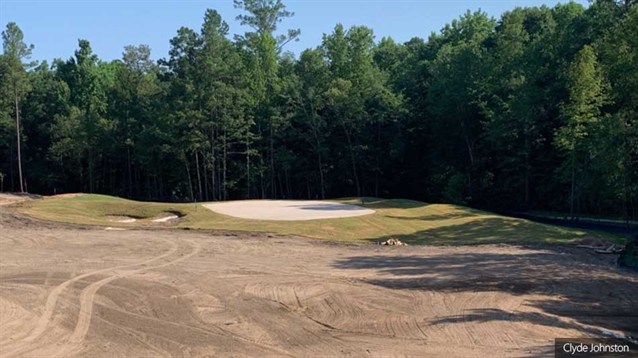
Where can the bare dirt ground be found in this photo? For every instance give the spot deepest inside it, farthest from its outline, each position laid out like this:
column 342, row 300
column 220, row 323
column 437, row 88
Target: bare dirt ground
column 88, row 292
column 287, row 210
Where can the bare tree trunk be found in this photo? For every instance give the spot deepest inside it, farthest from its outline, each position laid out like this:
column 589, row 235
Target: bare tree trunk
column 212, row 170
column 318, row 148
column 206, row 197
column 90, row 170
column 190, row 182
column 130, row 178
column 323, row 195
column 82, row 185
column 199, row 178
column 248, row 163
column 18, row 141
column 112, row 178
column 224, row 167
column 571, row 197
column 161, row 184
column 148, row 186
column 289, row 194
column 354, row 166
column 11, row 173
column 527, row 175
column 378, row 169
column 156, row 194
column 261, row 177
column 468, row 143
column 281, row 186
column 273, row 184
column 578, row 197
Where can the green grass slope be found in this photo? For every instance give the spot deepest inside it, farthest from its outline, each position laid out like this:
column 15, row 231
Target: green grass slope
column 411, row 221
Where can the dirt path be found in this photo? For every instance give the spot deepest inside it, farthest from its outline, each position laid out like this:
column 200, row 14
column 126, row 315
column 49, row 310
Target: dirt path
column 72, row 292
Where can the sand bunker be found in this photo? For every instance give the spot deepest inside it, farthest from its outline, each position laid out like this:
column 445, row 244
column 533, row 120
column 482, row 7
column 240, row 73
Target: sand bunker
column 287, row 210
column 164, row 217
column 122, row 219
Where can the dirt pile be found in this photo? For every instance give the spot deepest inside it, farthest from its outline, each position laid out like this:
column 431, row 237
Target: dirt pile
column 14, row 198
column 394, row 242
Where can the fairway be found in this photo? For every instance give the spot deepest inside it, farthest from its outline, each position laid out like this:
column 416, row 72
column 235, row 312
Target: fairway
column 410, row 221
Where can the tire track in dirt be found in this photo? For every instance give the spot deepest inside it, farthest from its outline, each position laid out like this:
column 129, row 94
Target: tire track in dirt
column 12, row 316
column 268, row 326
column 45, row 319
column 251, row 297
column 138, row 336
column 87, row 298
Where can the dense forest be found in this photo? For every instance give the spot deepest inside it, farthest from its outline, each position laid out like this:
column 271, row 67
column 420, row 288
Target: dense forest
column 537, row 110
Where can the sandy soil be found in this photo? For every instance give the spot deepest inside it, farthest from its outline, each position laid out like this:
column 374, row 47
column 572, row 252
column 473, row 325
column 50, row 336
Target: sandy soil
column 10, row 199
column 82, row 292
column 287, row 210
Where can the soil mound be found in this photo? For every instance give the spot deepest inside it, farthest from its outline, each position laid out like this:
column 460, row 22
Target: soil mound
column 394, row 242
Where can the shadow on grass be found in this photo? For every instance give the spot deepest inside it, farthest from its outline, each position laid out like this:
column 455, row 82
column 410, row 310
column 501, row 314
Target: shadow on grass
column 376, row 203
column 571, row 290
column 488, row 230
column 329, row 207
column 435, row 217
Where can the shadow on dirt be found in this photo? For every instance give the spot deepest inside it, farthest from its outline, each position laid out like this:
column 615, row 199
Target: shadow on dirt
column 571, row 284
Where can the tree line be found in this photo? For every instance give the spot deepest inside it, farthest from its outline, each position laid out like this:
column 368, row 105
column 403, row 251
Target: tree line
column 535, row 110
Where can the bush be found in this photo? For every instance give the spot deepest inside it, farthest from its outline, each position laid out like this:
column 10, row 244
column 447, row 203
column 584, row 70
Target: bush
column 453, row 192
column 629, row 256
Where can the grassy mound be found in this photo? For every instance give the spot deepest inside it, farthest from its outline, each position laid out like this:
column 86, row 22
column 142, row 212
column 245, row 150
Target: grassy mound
column 95, row 209
column 410, row 221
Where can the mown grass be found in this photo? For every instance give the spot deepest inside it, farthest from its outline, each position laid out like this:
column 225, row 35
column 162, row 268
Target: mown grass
column 411, row 221
column 95, row 209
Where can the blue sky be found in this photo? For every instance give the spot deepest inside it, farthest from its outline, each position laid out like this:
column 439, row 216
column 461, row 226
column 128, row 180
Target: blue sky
column 54, row 26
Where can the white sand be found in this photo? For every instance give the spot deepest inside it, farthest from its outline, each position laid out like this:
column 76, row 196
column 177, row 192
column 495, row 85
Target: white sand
column 287, row 210
column 165, row 219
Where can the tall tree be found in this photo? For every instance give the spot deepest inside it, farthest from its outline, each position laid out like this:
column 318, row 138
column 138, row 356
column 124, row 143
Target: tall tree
column 618, row 142
column 513, row 114
column 304, row 92
column 518, row 107
column 88, row 104
column 15, row 77
column 581, row 114
column 263, row 17
column 457, row 91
